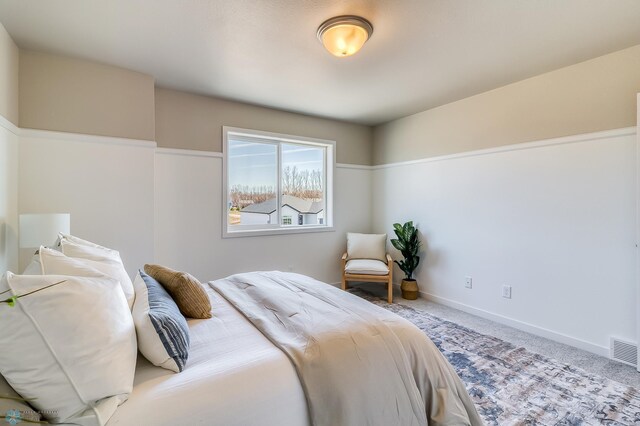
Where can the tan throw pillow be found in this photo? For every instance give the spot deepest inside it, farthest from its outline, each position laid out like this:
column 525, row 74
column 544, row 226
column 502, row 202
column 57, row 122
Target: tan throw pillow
column 185, row 290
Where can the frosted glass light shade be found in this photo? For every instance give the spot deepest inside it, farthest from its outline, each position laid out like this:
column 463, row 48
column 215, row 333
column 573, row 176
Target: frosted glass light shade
column 344, row 35
column 42, row 229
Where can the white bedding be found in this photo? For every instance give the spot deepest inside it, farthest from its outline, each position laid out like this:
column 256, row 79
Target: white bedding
column 234, row 376
column 358, row 363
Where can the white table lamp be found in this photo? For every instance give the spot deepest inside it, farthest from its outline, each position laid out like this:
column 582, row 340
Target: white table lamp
column 42, row 229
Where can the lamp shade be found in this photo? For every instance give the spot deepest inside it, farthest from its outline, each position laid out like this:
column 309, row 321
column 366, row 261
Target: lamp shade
column 42, row 229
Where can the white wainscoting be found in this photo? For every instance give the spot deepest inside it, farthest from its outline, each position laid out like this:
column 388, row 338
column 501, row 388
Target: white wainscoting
column 189, row 223
column 163, row 206
column 105, row 183
column 553, row 219
column 8, row 196
column 556, row 220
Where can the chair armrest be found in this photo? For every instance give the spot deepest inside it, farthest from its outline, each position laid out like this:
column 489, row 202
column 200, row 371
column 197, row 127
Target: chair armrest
column 344, row 256
column 389, row 259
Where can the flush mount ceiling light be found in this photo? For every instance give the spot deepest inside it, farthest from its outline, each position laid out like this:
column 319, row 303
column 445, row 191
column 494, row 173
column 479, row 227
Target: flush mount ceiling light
column 344, row 35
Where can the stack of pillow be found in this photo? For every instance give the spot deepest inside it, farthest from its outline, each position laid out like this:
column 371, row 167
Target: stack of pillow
column 70, row 342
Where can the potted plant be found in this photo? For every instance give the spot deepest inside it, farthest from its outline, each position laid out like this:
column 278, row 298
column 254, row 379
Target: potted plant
column 409, row 245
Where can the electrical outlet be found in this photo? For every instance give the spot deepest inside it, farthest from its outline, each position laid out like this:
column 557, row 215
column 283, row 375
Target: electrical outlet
column 468, row 282
column 506, row 291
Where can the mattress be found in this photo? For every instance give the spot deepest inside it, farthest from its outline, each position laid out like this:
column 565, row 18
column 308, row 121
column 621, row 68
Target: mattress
column 234, row 376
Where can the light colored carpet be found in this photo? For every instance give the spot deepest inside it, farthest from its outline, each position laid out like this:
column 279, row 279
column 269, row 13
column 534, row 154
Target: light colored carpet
column 588, row 361
column 511, row 378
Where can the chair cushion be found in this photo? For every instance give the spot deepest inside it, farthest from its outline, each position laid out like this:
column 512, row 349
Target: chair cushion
column 366, row 246
column 366, row 267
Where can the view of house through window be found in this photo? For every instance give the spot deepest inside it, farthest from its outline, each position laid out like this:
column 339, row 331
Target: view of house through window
column 275, row 183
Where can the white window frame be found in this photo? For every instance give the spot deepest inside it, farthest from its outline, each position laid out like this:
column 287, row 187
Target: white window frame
column 278, row 138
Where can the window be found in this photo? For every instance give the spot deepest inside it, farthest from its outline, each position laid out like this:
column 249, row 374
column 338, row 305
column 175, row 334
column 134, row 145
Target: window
column 276, row 183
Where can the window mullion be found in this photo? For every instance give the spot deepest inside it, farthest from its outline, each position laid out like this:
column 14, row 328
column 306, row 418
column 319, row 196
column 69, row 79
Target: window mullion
column 324, row 187
column 279, row 186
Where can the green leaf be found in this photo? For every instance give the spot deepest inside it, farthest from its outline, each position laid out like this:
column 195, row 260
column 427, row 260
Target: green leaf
column 408, row 243
column 12, row 300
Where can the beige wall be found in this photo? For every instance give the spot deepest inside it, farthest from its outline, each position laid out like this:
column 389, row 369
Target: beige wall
column 191, row 121
column 595, row 95
column 80, row 96
column 9, row 66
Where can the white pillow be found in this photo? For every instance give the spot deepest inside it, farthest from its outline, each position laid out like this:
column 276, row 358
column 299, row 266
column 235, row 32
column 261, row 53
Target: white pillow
column 70, row 349
column 73, row 242
column 163, row 333
column 79, row 248
column 12, row 405
column 367, row 246
column 34, row 267
column 52, row 262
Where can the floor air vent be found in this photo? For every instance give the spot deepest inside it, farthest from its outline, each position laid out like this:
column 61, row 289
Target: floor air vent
column 623, row 351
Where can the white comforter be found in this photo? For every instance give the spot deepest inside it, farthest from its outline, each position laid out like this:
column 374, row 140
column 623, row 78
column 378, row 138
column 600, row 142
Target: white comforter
column 234, row 377
column 358, row 364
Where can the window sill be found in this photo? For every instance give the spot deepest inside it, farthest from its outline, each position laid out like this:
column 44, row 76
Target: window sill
column 278, row 231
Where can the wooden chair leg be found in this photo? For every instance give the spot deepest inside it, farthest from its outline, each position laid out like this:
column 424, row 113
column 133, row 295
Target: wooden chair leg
column 390, row 285
column 344, row 283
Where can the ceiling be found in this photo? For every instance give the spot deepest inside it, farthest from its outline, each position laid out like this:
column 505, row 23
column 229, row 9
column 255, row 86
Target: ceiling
column 423, row 53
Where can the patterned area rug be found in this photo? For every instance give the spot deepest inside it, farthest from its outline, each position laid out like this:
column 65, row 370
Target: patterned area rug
column 513, row 386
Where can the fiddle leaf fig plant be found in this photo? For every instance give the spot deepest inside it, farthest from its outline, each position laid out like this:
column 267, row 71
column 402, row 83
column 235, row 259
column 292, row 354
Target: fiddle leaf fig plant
column 409, row 245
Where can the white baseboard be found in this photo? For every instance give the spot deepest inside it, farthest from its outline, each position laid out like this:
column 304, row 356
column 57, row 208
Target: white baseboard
column 521, row 325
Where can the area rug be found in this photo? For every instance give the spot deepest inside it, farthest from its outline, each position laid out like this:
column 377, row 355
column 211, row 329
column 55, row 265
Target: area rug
column 513, row 386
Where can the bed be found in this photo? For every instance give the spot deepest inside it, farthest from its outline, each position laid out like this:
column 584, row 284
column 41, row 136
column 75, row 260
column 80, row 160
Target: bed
column 240, row 372
column 234, row 376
